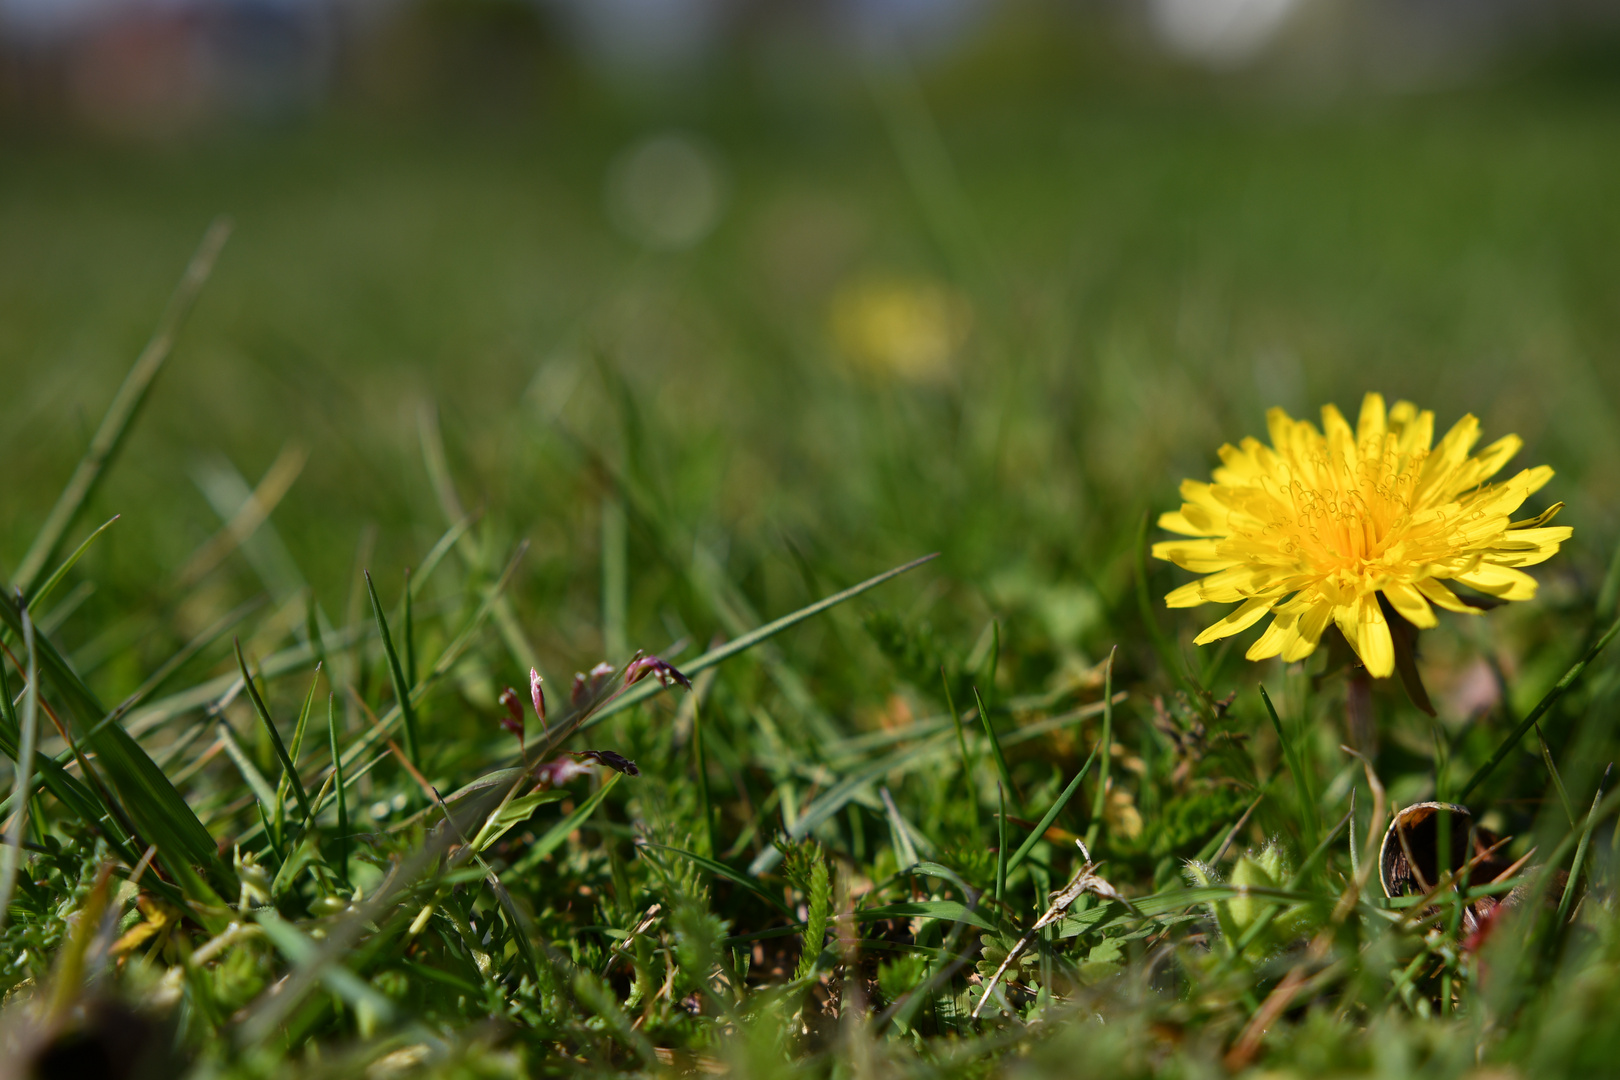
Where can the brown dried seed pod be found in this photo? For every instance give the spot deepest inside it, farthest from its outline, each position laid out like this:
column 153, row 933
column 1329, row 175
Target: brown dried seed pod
column 1409, row 861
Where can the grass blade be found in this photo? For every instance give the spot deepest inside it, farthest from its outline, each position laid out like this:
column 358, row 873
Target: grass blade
column 23, row 784
column 995, row 748
column 720, row 869
column 1099, row 805
column 407, row 630
column 337, row 785
column 559, row 832
column 55, row 579
column 1558, row 781
column 1001, row 842
column 700, row 765
column 402, row 690
column 125, row 404
column 947, row 910
column 615, row 578
column 838, row 796
column 157, row 811
column 250, row 772
column 899, row 833
column 648, row 688
column 1536, row 713
column 1051, row 815
column 1307, row 803
column 1580, row 852
column 289, row 772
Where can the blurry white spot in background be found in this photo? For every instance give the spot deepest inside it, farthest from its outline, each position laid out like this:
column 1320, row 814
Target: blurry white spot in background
column 1219, row 32
column 666, row 191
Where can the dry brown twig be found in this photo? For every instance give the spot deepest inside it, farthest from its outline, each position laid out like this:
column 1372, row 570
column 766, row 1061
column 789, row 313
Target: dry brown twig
column 1084, row 881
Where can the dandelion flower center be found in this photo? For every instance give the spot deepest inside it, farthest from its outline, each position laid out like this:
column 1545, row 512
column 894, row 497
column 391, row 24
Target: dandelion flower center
column 1319, row 525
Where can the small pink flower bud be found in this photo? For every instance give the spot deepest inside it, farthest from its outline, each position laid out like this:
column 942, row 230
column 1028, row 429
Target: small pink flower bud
column 538, row 695
column 658, row 669
column 560, row 771
column 586, row 686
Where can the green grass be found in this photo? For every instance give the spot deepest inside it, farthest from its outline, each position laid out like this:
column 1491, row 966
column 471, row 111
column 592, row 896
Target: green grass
column 427, row 341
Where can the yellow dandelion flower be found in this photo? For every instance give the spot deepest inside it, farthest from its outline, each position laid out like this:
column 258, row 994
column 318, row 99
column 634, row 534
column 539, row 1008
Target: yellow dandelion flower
column 1314, row 527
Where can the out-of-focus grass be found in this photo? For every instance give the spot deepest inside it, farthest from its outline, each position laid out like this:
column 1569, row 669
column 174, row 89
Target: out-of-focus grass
column 1134, row 270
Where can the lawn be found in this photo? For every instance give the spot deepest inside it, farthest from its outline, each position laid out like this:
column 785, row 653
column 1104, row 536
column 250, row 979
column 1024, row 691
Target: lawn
column 995, row 309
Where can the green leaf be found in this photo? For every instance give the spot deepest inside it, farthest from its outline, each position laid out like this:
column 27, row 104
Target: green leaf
column 945, row 910
column 515, row 813
column 934, row 869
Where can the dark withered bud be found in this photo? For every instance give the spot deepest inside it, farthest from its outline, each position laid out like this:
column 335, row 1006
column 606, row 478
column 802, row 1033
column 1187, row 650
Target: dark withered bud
column 616, row 762
column 658, row 669
column 513, row 721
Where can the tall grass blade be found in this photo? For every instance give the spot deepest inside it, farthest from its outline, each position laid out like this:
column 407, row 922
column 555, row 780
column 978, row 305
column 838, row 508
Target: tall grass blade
column 995, row 748
column 720, row 869
column 650, row 687
column 1558, row 781
column 402, row 689
column 289, row 770
column 262, row 791
column 407, row 630
column 1001, row 842
column 1547, row 702
column 1051, row 815
column 615, row 579
column 472, row 552
column 337, row 785
column 1302, row 786
column 555, row 835
column 80, row 800
column 246, row 511
column 22, row 785
column 1580, row 851
column 158, row 812
column 700, row 766
column 56, row 577
column 294, row 753
column 125, row 405
column 1099, row 803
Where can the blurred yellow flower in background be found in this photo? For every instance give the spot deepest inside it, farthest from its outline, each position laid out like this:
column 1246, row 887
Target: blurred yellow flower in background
column 1316, row 526
column 905, row 328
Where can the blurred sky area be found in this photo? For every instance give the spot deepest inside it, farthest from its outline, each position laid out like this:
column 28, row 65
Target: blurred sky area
column 156, row 67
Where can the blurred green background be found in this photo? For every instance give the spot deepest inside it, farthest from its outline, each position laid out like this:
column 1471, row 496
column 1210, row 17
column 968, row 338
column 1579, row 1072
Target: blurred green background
column 823, row 306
